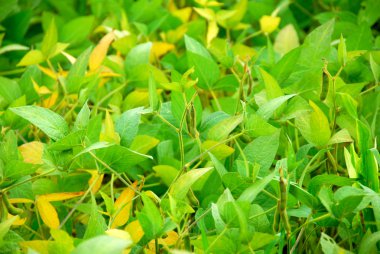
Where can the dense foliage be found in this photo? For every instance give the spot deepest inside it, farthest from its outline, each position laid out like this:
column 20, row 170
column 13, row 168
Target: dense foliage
column 162, row 126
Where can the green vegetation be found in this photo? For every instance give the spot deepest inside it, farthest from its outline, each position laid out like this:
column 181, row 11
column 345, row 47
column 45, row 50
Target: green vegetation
column 189, row 126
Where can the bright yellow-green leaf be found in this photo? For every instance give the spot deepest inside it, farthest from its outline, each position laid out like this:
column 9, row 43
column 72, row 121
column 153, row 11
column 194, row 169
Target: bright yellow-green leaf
column 144, row 143
column 60, row 196
column 32, row 57
column 48, row 213
column 123, row 206
column 314, row 126
column 220, row 151
column 100, row 51
column 286, row 40
column 109, row 134
column 32, row 152
column 269, row 23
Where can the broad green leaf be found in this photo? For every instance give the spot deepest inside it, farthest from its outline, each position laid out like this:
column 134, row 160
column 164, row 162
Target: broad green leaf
column 368, row 243
column 329, row 246
column 52, row 124
column 50, row 40
column 83, row 118
column 127, row 125
column 153, row 96
column 267, row 110
column 318, row 181
column 314, row 126
column 183, row 184
column 251, row 192
column 150, row 218
column 286, row 39
column 206, row 70
column 221, row 130
column 103, row 244
column 262, row 151
column 77, row 72
column 96, row 224
column 272, row 88
column 342, row 52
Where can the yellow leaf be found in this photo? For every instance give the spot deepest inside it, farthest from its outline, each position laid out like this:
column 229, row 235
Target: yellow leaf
column 220, row 152
column 18, row 222
column 171, row 239
column 100, row 51
column 109, row 134
column 118, row 233
column 269, row 23
column 39, row 246
column 32, row 152
column 212, row 31
column 183, row 14
column 20, row 200
column 60, row 196
column 41, row 90
column 135, row 230
column 48, row 213
column 49, row 102
column 123, row 206
column 95, row 176
column 206, row 13
column 144, row 143
column 48, row 72
column 159, row 49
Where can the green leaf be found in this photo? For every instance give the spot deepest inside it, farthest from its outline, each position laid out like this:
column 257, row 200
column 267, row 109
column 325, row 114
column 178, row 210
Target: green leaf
column 267, row 110
column 96, row 224
column 83, row 118
column 221, row 130
column 150, row 218
column 258, row 186
column 330, row 247
column 77, row 72
column 34, row 56
column 52, row 124
column 318, row 181
column 206, row 70
column 50, row 40
column 182, row 185
column 77, row 30
column 368, row 243
column 314, row 126
column 286, row 39
column 103, row 244
column 127, row 125
column 262, row 151
column 342, row 52
column 153, row 96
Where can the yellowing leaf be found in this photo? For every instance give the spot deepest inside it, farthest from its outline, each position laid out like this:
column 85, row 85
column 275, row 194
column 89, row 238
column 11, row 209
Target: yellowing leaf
column 171, row 239
column 100, row 51
column 48, row 72
column 20, row 200
column 212, row 31
column 119, row 234
column 95, row 176
column 220, row 151
column 32, row 57
column 183, row 14
column 109, row 134
column 32, row 152
column 41, row 90
column 286, row 40
column 49, row 102
column 206, row 13
column 39, row 246
column 159, row 49
column 135, row 230
column 144, row 143
column 60, row 196
column 123, row 206
column 18, row 221
column 269, row 23
column 48, row 213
